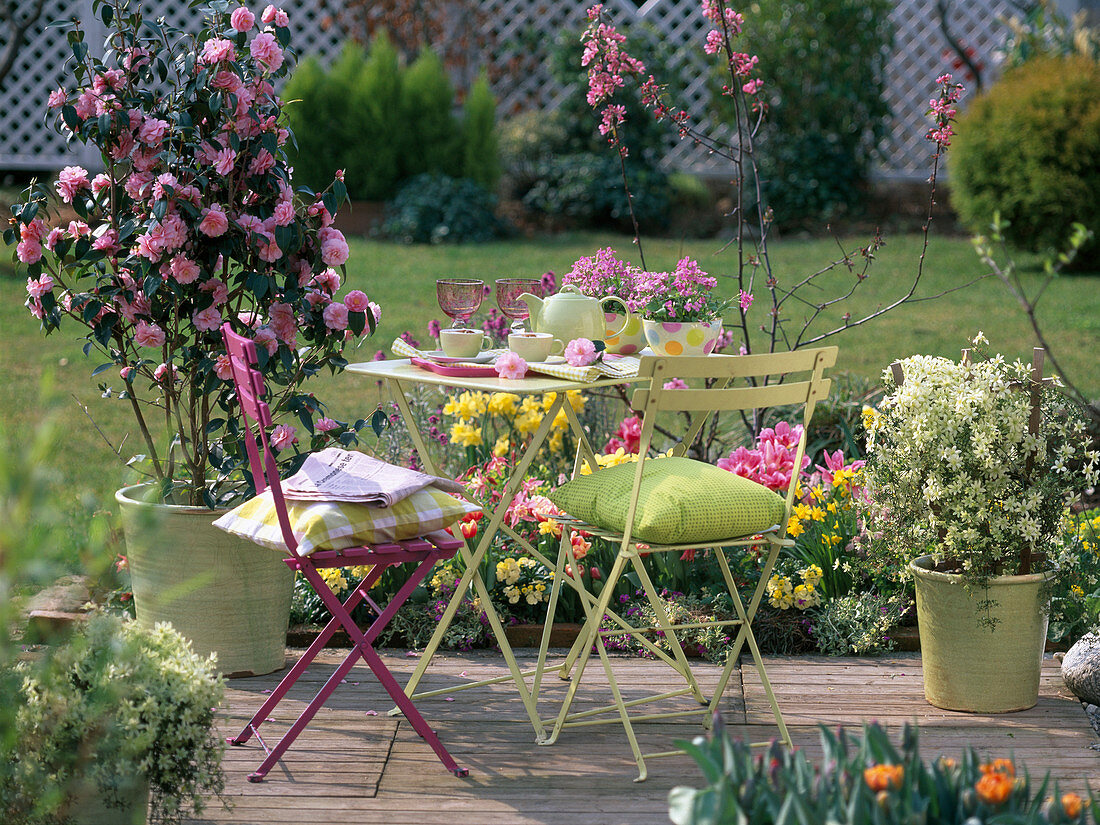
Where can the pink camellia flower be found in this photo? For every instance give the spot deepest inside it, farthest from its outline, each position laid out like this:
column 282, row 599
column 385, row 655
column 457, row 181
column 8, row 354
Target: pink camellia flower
column 284, row 213
column 357, row 301
column 148, row 335
column 326, row 424
column 36, row 288
column 152, row 131
column 164, row 373
column 242, row 19
column 265, row 50
column 52, row 239
column 71, row 181
column 184, row 270
column 79, row 229
column 275, row 16
column 334, row 247
column 107, row 243
column 222, row 367
column 208, row 319
column 283, row 323
column 265, row 338
column 224, row 161
column 376, row 311
column 29, row 251
column 511, row 365
column 580, row 352
column 126, row 373
column 329, row 280
column 58, row 98
column 263, row 162
column 283, row 436
column 214, row 221
column 215, row 50
column 336, row 316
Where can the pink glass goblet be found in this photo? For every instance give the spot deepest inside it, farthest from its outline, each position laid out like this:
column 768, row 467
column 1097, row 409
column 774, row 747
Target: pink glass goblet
column 459, row 298
column 508, row 292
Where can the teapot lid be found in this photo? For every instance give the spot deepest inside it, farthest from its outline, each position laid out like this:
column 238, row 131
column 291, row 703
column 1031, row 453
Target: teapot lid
column 570, row 292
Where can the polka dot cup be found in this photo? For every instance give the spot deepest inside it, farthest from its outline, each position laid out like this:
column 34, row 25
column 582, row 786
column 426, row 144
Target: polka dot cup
column 693, row 338
column 629, row 340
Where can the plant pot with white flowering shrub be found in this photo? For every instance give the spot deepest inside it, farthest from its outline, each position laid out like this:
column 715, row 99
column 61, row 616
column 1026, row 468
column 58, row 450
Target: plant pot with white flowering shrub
column 194, row 223
column 972, row 466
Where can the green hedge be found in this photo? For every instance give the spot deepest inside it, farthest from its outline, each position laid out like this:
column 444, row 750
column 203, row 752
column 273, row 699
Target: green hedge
column 383, row 123
column 1030, row 149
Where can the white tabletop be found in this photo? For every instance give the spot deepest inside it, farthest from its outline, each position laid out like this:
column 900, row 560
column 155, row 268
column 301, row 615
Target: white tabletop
column 403, row 370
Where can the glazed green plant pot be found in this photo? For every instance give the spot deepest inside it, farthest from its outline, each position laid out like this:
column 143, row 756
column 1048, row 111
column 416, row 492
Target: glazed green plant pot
column 967, row 665
column 224, row 594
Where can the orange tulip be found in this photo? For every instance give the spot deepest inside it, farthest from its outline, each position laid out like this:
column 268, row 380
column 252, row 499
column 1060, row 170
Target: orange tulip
column 1004, row 766
column 883, row 777
column 1071, row 804
column 994, row 788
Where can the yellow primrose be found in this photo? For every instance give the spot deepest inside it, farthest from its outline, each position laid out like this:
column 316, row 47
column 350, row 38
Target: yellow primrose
column 549, row 528
column 812, row 574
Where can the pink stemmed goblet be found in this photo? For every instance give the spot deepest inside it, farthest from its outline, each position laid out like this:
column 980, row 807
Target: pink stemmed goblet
column 508, row 292
column 459, row 298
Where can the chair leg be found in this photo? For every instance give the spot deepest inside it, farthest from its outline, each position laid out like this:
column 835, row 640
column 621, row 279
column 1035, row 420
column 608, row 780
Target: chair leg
column 624, row 714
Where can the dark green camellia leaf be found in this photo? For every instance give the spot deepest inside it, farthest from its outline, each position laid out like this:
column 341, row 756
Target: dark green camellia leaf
column 71, row 118
column 101, row 368
column 340, row 191
column 356, row 322
column 107, row 13
column 9, row 237
column 91, row 310
column 378, row 421
column 330, row 202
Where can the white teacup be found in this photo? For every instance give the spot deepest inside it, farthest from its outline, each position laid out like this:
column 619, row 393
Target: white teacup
column 535, row 346
column 463, row 343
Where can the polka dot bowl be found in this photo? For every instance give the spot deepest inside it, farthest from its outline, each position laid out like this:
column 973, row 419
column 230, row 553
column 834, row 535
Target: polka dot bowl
column 629, row 340
column 693, row 338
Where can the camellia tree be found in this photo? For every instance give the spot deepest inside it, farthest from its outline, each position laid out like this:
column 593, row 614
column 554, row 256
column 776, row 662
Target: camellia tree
column 192, row 223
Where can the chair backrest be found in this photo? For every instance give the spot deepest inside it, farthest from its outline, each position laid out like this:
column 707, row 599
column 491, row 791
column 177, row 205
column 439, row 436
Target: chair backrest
column 256, row 417
column 736, row 383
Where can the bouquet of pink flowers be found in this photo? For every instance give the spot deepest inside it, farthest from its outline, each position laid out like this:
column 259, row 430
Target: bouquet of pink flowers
column 685, row 294
column 192, row 223
column 604, row 274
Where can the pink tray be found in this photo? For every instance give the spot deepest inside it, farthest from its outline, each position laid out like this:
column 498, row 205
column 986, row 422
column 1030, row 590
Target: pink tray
column 454, row 370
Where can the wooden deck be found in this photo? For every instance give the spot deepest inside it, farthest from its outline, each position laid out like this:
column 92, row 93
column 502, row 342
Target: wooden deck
column 354, row 764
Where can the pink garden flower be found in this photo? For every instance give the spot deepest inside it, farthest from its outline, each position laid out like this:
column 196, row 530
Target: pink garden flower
column 37, row 287
column 334, row 247
column 510, row 365
column 242, row 19
column 283, row 436
column 214, row 221
column 265, row 338
column 222, row 368
column 744, row 299
column 265, row 50
column 336, row 316
column 215, row 50
column 356, row 301
column 208, row 319
column 675, row 384
column 283, row 323
column 29, row 251
column 275, row 16
column 580, row 352
column 58, row 98
column 184, row 270
column 71, row 181
column 148, row 335
column 326, row 424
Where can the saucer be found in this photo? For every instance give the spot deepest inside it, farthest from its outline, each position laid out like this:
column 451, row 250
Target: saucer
column 483, row 357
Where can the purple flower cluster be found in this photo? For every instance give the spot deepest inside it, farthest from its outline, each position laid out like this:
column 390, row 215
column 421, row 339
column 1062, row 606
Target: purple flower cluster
column 685, row 294
column 605, row 274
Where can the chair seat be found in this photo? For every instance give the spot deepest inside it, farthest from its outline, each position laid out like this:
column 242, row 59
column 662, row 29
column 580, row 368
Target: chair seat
column 435, row 546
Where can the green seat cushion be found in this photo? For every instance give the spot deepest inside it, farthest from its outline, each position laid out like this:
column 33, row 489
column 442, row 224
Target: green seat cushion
column 681, row 501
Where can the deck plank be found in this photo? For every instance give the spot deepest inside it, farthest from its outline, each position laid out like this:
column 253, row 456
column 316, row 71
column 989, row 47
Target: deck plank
column 355, row 764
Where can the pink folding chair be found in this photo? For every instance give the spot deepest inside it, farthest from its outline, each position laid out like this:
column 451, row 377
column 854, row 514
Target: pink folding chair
column 424, row 550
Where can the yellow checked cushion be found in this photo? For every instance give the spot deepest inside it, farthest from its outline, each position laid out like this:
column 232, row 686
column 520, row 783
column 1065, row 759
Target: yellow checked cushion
column 335, row 525
column 681, row 501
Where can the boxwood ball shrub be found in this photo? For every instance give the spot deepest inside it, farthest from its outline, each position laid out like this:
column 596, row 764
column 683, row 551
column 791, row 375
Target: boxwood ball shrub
column 1030, row 149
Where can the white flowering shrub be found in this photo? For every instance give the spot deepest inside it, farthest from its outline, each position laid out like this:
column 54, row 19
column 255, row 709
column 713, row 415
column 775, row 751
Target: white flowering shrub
column 953, row 470
column 118, row 703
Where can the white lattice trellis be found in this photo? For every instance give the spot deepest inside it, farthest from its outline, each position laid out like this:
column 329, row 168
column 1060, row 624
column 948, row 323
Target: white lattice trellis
column 521, row 32
column 27, row 142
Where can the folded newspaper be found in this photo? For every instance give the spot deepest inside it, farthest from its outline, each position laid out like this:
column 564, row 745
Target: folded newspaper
column 343, row 475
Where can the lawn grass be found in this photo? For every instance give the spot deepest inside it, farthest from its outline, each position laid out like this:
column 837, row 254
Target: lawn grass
column 401, row 279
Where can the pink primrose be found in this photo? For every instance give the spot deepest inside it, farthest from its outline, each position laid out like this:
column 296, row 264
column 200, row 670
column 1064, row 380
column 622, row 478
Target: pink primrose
column 336, row 316
column 265, row 50
column 148, row 335
column 242, row 19
column 208, row 319
column 511, row 365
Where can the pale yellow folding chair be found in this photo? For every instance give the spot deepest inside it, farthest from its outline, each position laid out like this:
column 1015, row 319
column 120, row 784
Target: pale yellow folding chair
column 672, row 504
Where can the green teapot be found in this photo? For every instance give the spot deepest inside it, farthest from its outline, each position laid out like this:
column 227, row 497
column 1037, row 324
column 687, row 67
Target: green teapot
column 571, row 314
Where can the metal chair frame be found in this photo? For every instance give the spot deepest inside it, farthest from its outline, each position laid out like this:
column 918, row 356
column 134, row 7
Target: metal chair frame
column 425, row 551
column 737, row 384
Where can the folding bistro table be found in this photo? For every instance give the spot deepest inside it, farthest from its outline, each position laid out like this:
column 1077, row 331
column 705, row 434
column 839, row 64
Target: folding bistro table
column 401, row 375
